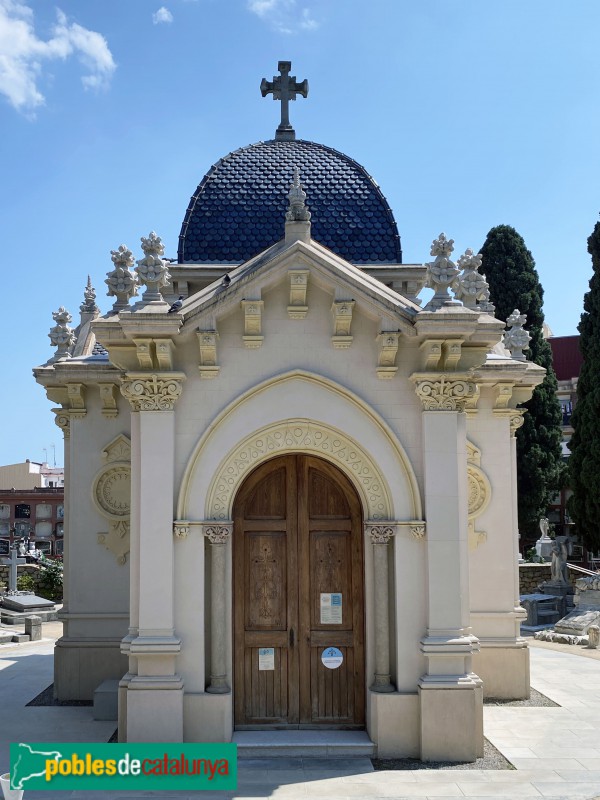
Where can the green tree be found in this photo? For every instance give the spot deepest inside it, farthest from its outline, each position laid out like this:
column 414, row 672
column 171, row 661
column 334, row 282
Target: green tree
column 514, row 283
column 584, row 463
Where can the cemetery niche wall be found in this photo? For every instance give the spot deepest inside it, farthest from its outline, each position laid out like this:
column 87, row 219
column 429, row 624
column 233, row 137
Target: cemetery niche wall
column 290, row 493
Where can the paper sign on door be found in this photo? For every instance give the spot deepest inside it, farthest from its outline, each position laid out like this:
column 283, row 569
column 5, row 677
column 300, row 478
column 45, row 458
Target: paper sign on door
column 331, row 608
column 266, row 658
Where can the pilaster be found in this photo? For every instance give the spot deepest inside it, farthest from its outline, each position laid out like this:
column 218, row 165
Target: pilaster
column 154, row 692
column 449, row 689
column 219, row 536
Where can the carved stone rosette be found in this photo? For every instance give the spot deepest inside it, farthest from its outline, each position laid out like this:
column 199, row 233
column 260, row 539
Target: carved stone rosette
column 379, row 534
column 218, row 534
column 157, row 392
column 442, row 394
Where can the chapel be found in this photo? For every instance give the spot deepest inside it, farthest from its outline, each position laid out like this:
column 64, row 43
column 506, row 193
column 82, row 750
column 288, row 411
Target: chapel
column 290, row 480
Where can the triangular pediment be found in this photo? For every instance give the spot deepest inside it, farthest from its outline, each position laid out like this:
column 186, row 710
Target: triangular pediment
column 291, row 262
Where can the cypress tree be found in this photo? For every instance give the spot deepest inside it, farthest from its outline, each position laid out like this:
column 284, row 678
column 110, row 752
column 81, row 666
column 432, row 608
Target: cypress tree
column 584, row 463
column 514, row 283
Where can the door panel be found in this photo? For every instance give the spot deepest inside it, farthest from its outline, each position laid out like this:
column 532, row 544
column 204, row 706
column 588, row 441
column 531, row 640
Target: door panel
column 298, row 535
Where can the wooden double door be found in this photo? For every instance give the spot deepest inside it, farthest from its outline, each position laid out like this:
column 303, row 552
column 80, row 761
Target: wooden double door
column 298, row 598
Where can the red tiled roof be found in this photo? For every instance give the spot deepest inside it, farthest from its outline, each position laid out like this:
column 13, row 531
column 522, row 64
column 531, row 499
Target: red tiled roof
column 566, row 356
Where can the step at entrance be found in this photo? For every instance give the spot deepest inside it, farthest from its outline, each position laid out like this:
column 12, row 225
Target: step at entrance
column 313, row 744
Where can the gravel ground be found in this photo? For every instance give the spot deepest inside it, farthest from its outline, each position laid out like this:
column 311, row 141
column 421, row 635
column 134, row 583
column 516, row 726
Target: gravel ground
column 46, row 698
column 492, row 759
column 536, row 700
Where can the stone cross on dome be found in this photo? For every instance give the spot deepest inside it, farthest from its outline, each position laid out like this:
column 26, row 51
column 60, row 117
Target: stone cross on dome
column 284, row 87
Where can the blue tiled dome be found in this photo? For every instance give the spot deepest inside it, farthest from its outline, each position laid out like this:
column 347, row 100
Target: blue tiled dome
column 239, row 208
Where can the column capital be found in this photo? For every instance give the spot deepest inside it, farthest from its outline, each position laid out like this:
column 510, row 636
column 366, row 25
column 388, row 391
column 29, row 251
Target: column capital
column 438, row 392
column 517, row 418
column 218, row 533
column 380, row 533
column 158, row 391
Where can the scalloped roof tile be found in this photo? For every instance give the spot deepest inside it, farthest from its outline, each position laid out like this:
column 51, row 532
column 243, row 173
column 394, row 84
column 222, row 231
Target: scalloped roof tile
column 239, row 208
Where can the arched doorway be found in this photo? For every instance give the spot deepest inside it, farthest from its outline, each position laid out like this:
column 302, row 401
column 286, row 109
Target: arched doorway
column 298, row 591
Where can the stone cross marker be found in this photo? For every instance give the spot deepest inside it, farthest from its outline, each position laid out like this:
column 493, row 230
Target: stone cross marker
column 12, row 574
column 284, row 87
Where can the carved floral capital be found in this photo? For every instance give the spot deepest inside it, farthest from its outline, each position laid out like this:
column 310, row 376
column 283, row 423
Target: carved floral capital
column 181, row 528
column 152, row 392
column 516, row 420
column 418, row 529
column 218, row 534
column 443, row 394
column 379, row 534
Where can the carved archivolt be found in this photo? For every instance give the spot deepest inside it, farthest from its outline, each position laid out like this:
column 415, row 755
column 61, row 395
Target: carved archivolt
column 111, row 494
column 156, row 392
column 305, row 437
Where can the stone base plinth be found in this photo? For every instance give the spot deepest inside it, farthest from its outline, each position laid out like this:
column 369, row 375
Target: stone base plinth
column 503, row 670
column 81, row 666
column 393, row 724
column 451, row 723
column 155, row 710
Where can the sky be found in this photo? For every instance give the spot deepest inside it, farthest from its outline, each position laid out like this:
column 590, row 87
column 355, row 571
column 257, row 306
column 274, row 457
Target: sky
column 468, row 114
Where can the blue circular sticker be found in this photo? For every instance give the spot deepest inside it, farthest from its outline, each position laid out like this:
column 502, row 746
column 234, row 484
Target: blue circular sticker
column 332, row 658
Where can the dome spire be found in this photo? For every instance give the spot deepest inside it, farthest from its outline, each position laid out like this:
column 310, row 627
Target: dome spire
column 284, row 87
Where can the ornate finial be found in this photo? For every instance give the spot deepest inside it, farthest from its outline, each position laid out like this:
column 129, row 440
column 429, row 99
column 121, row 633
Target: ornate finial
column 297, row 211
column 89, row 299
column 515, row 338
column 470, row 286
column 284, row 87
column 486, row 305
column 61, row 335
column 441, row 273
column 152, row 270
column 121, row 282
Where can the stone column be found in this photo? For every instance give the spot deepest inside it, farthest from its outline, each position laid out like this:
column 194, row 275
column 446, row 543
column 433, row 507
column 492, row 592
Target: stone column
column 380, row 536
column 155, row 693
column 449, row 691
column 218, row 535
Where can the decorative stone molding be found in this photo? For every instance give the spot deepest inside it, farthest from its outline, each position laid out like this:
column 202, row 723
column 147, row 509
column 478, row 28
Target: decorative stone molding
column 479, row 494
column 181, row 529
column 445, row 394
column 297, row 308
column 61, row 335
column 152, row 270
column 108, row 397
column 121, row 282
column 117, row 540
column 441, row 273
column 379, row 534
column 452, row 353
column 164, row 349
column 417, row 529
column 502, row 395
column 218, row 533
column 63, row 421
column 119, row 449
column 342, row 322
column 516, row 420
column 157, row 392
column 143, row 351
column 299, row 436
column 432, row 353
column 253, row 337
column 76, row 399
column 111, row 494
column 207, row 343
column 515, row 338
column 388, row 350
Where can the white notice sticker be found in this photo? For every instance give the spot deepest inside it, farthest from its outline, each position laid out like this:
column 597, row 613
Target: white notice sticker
column 266, row 658
column 331, row 608
column 332, row 658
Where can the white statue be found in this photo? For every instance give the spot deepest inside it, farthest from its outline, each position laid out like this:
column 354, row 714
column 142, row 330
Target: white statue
column 560, row 554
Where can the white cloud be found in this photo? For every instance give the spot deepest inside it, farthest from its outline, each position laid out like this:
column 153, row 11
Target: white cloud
column 162, row 15
column 282, row 15
column 22, row 54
